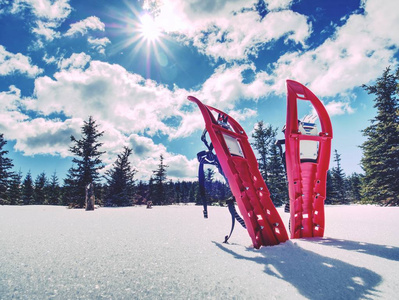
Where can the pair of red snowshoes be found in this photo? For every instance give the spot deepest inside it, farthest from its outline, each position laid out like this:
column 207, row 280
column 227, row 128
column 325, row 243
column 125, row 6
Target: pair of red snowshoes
column 307, row 155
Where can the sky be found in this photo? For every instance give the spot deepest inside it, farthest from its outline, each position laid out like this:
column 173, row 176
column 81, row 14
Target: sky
column 132, row 64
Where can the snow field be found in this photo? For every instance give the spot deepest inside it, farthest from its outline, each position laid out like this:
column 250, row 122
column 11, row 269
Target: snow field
column 171, row 252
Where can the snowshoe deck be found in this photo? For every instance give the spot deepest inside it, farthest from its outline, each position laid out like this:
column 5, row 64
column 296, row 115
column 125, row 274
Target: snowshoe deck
column 307, row 176
column 240, row 167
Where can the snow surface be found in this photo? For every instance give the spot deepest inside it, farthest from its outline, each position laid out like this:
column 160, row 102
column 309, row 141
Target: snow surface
column 173, row 253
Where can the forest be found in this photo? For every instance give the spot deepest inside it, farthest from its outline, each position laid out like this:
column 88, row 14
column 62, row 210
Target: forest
column 377, row 184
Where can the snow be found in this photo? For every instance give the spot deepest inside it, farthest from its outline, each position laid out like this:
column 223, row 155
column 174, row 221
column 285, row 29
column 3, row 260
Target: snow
column 171, row 252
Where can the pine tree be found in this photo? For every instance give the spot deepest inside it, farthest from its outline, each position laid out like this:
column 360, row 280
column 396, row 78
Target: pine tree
column 15, row 189
column 277, row 182
column 151, row 190
column 264, row 137
column 185, row 191
column 270, row 162
column 5, row 172
column 380, row 160
column 159, row 183
column 120, row 181
column 338, row 181
column 27, row 190
column 87, row 161
column 354, row 187
column 141, row 193
column 209, row 186
column 70, row 193
column 53, row 190
column 329, row 189
column 40, row 186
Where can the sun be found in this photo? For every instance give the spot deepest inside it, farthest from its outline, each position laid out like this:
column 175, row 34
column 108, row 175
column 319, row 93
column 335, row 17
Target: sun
column 149, row 29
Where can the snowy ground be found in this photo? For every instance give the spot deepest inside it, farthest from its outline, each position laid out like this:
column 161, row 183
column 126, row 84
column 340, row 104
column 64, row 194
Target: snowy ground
column 173, row 253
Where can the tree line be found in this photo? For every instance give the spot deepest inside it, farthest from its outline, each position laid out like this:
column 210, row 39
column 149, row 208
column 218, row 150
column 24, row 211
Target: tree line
column 118, row 187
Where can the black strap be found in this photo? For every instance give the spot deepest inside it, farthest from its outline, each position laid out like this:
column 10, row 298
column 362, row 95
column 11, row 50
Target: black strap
column 208, row 157
column 205, row 157
column 201, row 181
column 234, row 216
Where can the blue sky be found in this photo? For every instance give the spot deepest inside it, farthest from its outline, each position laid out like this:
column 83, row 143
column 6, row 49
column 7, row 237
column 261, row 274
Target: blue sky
column 132, row 64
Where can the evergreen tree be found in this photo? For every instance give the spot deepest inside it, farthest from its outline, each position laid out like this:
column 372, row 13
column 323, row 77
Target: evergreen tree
column 141, row 193
column 271, row 165
column 120, row 181
column 264, row 137
column 151, row 190
column 277, row 182
column 70, row 192
column 209, row 187
column 380, row 160
column 53, row 190
column 159, row 183
column 5, row 172
column 354, row 187
column 15, row 189
column 185, row 191
column 87, row 161
column 40, row 186
column 171, row 194
column 27, row 190
column 178, row 193
column 329, row 189
column 338, row 181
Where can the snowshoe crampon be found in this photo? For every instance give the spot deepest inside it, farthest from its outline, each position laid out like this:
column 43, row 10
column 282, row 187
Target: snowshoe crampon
column 307, row 155
column 240, row 168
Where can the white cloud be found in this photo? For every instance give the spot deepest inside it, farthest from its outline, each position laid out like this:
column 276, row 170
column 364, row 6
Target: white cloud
column 76, row 61
column 231, row 30
column 42, row 136
column 33, row 136
column 246, row 33
column 47, row 30
column 16, row 63
column 99, row 44
column 51, row 10
column 240, row 115
column 52, row 136
column 83, row 27
column 338, row 108
column 278, row 4
column 49, row 16
column 356, row 53
column 110, row 93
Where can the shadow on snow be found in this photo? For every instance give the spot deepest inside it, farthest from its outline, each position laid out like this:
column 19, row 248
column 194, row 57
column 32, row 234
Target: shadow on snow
column 383, row 251
column 315, row 276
